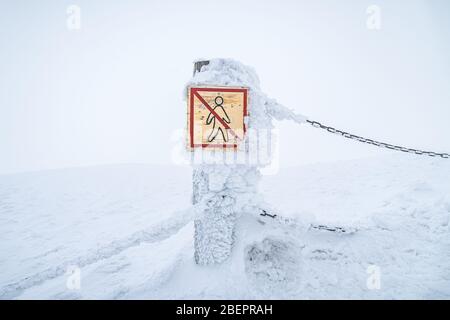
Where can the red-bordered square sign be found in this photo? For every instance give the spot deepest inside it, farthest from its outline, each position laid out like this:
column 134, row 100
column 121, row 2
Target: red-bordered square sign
column 216, row 116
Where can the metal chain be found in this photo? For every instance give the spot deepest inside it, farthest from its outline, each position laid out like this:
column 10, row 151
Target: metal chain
column 377, row 143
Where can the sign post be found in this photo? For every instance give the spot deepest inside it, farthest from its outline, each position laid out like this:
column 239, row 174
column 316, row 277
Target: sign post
column 231, row 141
column 216, row 126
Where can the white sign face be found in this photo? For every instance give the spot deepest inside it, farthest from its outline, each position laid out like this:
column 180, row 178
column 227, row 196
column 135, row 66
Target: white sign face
column 216, row 116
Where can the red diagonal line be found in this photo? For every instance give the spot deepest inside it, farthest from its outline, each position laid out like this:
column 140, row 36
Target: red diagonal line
column 215, row 114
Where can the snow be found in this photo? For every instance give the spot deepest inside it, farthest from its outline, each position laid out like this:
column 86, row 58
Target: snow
column 130, row 231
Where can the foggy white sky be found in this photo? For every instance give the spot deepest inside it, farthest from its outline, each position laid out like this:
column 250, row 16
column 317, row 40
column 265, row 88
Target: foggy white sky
column 111, row 92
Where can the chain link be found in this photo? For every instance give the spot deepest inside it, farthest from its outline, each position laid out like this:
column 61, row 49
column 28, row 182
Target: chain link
column 377, row 143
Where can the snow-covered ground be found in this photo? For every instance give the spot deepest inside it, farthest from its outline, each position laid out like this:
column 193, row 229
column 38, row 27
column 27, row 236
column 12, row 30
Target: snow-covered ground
column 129, row 230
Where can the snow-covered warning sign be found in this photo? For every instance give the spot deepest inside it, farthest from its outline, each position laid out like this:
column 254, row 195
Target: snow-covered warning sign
column 216, row 116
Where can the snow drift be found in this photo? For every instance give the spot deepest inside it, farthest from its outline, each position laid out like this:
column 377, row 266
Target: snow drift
column 125, row 228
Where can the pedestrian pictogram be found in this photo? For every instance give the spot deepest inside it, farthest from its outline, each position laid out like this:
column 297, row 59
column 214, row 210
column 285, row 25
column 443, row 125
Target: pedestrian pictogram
column 216, row 116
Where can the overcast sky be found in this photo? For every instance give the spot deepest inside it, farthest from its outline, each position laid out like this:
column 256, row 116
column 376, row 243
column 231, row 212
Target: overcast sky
column 111, row 92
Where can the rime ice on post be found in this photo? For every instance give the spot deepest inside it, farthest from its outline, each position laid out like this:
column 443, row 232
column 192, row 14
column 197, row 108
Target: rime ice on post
column 229, row 136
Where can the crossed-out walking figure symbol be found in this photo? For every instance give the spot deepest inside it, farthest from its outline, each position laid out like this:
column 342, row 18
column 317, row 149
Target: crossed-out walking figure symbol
column 217, row 126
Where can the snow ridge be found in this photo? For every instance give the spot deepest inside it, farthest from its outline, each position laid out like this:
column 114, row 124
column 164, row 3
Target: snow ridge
column 157, row 233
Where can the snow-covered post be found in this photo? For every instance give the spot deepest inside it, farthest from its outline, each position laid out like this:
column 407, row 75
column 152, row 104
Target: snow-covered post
column 225, row 180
